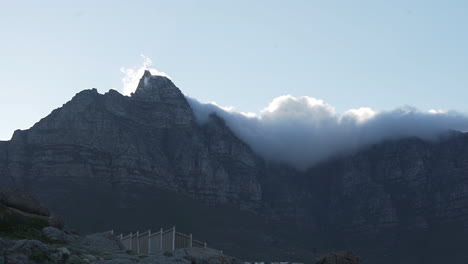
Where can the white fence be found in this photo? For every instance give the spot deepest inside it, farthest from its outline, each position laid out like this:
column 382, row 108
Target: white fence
column 149, row 242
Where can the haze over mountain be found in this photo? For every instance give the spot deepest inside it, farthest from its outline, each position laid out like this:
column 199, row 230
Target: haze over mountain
column 109, row 161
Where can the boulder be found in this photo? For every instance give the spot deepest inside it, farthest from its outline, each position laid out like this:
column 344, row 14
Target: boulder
column 204, row 256
column 14, row 220
column 342, row 257
column 23, row 201
column 89, row 257
column 56, row 221
column 64, row 251
column 53, row 234
column 105, row 241
column 29, row 252
column 59, row 236
column 75, row 259
column 4, row 245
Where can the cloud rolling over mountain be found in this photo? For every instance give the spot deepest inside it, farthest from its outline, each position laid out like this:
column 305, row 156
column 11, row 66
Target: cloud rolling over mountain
column 302, row 131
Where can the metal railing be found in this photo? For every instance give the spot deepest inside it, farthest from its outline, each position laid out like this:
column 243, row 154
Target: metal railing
column 168, row 240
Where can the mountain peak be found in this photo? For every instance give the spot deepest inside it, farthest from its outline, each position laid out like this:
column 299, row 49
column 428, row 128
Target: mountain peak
column 157, row 88
column 147, row 73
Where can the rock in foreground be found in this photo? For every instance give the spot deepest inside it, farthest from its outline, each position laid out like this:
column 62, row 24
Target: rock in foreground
column 342, row 257
column 102, row 248
column 23, row 201
column 27, row 238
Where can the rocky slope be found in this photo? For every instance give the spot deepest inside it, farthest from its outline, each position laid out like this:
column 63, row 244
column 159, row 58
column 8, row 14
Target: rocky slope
column 100, row 248
column 27, row 236
column 117, row 158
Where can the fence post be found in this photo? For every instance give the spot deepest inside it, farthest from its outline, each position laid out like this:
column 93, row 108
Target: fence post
column 191, row 240
column 160, row 239
column 138, row 242
column 131, row 241
column 149, row 241
column 173, row 238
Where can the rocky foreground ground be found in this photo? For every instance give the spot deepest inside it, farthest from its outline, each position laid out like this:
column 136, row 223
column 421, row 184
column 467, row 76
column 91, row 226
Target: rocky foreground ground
column 102, row 248
column 31, row 234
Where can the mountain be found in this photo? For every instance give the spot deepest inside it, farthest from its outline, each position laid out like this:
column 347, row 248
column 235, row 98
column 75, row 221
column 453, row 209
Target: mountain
column 406, row 198
column 108, row 161
column 150, row 138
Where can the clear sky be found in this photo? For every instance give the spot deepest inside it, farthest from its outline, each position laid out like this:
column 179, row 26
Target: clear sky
column 378, row 54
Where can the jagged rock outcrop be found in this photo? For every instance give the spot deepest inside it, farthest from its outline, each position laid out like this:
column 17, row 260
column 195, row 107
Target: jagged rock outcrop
column 24, row 201
column 118, row 158
column 20, row 210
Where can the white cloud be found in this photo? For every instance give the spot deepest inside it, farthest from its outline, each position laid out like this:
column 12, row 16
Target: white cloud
column 437, row 111
column 133, row 75
column 303, row 130
column 360, row 115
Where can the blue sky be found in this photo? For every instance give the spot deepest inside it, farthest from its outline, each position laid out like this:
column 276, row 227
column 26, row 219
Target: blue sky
column 351, row 54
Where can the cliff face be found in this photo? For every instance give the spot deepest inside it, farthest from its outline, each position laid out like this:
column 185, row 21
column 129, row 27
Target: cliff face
column 150, row 138
column 4, row 175
column 406, row 182
column 408, row 196
column 110, row 155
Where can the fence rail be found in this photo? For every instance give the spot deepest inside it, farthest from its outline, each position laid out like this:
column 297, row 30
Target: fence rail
column 168, row 240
